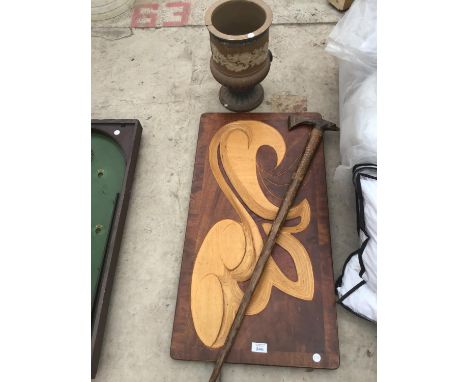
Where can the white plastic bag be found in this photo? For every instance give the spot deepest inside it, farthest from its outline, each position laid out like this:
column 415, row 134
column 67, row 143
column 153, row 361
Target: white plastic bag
column 357, row 286
column 354, row 42
column 354, row 38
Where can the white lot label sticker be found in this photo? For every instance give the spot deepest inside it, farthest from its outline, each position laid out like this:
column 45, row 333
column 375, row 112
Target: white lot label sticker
column 258, row 347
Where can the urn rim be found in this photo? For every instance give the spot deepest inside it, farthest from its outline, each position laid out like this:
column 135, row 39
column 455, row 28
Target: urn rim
column 239, row 37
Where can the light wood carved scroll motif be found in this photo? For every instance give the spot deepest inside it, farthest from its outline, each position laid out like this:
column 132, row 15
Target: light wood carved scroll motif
column 231, row 248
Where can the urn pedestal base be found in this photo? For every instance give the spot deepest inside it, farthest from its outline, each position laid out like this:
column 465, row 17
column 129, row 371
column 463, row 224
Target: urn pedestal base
column 241, row 101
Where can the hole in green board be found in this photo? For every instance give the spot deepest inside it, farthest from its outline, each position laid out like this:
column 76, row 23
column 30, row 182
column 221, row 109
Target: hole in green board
column 98, row 228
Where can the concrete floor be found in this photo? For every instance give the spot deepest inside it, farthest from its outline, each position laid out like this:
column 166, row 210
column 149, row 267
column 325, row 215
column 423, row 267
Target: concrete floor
column 161, row 77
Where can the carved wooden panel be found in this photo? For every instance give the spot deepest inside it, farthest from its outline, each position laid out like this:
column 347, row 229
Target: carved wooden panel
column 242, row 169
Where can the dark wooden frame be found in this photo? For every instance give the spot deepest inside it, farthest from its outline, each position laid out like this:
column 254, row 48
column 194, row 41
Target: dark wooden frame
column 129, row 142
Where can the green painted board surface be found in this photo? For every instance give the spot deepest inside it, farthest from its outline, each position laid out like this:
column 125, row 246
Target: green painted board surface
column 107, row 173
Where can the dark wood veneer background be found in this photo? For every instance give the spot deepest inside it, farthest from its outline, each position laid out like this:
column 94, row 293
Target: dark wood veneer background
column 293, row 329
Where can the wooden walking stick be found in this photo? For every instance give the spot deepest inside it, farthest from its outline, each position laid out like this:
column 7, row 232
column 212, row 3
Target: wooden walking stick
column 318, row 127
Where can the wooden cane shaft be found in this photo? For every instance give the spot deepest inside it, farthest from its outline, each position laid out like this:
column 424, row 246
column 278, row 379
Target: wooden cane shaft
column 296, row 181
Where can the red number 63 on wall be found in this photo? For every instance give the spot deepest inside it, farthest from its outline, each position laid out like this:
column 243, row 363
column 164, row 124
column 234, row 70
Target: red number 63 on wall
column 173, row 14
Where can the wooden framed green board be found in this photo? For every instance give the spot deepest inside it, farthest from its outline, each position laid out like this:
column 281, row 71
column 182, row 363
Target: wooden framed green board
column 107, row 173
column 114, row 151
column 243, row 166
